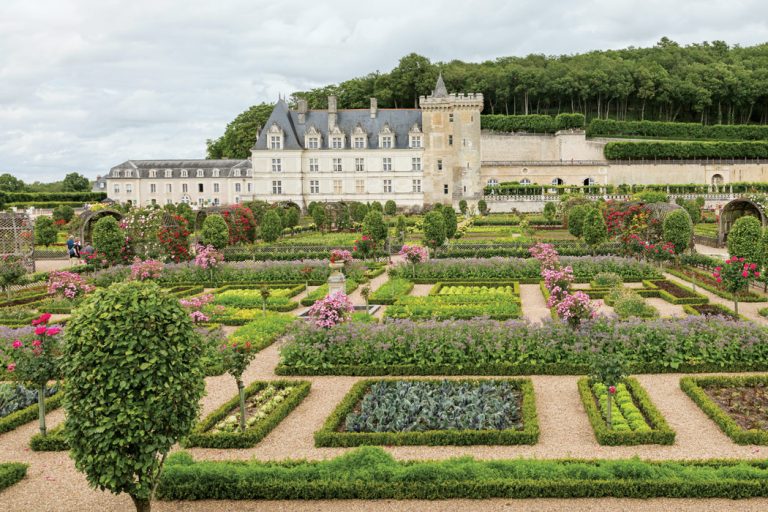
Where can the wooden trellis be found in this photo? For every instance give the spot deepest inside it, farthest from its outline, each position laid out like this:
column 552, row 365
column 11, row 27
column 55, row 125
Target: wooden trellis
column 17, row 237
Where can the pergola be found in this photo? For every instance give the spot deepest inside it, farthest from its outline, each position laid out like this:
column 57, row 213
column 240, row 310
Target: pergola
column 736, row 209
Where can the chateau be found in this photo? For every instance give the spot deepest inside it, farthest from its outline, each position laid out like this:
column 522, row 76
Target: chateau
column 434, row 154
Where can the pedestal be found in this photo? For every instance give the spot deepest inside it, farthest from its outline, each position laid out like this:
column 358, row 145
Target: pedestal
column 336, row 281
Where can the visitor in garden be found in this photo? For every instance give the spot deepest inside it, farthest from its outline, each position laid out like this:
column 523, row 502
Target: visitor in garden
column 77, row 247
column 71, row 249
column 88, row 250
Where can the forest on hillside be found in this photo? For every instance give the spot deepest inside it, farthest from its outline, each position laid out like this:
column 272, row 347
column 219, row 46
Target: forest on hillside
column 708, row 83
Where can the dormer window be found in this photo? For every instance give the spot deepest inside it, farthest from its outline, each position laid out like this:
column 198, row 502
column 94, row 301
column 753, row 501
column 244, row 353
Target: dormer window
column 313, row 138
column 386, row 141
column 184, row 173
column 215, row 173
column 386, row 137
column 115, row 173
column 337, row 143
column 359, row 137
column 314, row 143
column 336, row 138
column 153, row 173
column 415, row 141
column 168, row 173
column 359, row 142
column 128, row 174
column 414, row 136
column 236, row 173
column 275, row 140
column 200, row 173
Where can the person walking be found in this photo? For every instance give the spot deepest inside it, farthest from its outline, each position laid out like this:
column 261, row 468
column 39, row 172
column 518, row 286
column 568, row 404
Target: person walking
column 78, row 247
column 71, row 249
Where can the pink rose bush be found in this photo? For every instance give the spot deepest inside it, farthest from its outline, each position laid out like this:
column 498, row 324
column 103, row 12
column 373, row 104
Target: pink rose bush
column 331, row 310
column 195, row 305
column 207, row 257
column 571, row 307
column 546, row 254
column 557, row 281
column 575, row 307
column 68, row 285
column 735, row 275
column 146, row 270
column 340, row 256
column 414, row 253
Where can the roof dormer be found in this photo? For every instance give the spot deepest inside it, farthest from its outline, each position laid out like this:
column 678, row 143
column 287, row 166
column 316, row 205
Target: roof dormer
column 336, row 138
column 313, row 138
column 275, row 137
column 359, row 137
column 386, row 137
column 415, row 137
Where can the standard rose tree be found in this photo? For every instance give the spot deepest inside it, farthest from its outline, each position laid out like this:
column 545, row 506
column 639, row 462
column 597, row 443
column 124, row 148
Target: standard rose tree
column 735, row 275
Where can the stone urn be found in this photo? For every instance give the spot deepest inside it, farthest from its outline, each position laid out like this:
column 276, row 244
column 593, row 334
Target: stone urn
column 336, row 281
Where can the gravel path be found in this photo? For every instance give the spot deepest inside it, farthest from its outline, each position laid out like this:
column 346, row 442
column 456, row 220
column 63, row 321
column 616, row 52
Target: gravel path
column 665, row 308
column 421, row 290
column 534, row 306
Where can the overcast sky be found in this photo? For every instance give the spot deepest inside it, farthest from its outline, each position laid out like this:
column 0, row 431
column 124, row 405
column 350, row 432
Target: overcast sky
column 88, row 84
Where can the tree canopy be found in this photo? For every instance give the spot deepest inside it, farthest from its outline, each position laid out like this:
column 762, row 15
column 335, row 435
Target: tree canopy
column 240, row 135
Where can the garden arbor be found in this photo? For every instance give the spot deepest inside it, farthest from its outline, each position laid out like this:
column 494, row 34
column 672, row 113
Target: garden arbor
column 739, row 208
column 89, row 219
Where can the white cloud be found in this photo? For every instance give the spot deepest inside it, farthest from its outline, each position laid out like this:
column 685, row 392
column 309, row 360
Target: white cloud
column 87, row 84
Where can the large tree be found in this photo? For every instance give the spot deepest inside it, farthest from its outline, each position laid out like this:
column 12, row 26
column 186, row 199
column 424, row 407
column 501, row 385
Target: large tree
column 10, row 183
column 74, row 182
column 240, row 135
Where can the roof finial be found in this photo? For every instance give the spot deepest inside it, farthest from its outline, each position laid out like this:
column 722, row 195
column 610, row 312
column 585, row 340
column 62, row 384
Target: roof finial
column 440, row 90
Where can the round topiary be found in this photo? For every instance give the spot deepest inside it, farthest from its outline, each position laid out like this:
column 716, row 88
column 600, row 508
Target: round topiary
column 108, row 238
column 390, row 208
column 593, row 229
column 677, row 229
column 45, row 231
column 134, row 382
column 576, row 217
column 215, row 232
column 743, row 238
column 272, row 225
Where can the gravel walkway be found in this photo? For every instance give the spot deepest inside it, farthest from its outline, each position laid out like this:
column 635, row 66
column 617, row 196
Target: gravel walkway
column 665, row 308
column 534, row 306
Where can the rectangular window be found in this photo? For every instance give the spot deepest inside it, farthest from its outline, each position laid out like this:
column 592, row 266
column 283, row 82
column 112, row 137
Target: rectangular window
column 216, row 201
column 360, row 186
column 168, row 173
column 200, row 187
column 314, row 143
column 277, row 187
column 386, row 141
column 337, row 187
column 450, row 118
column 359, row 142
column 416, row 163
column 314, row 186
column 216, row 188
column 274, row 142
column 200, row 173
column 128, row 188
column 117, row 189
column 445, row 189
column 415, row 141
column 359, row 164
column 387, row 186
column 237, row 187
column 417, row 185
column 387, row 164
column 337, row 164
column 439, row 165
column 168, row 188
column 250, row 187
column 152, row 188
column 277, row 165
column 336, row 143
column 184, row 188
column 313, row 165
column 450, row 140
column 169, row 201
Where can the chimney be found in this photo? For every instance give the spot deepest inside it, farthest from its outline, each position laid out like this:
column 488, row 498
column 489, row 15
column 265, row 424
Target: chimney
column 331, row 112
column 302, row 110
column 374, row 108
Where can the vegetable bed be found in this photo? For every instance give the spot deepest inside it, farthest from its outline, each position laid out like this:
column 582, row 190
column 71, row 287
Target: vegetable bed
column 322, row 290
column 431, row 412
column 710, row 310
column 447, row 307
column 675, row 293
column 18, row 404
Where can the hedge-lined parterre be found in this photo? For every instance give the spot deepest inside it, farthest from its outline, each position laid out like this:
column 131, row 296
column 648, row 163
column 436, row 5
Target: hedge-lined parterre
column 10, row 473
column 391, row 290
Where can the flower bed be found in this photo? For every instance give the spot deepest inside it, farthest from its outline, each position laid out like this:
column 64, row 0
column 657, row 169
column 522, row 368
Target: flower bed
column 372, row 473
column 262, row 331
column 392, row 290
column 736, row 404
column 279, row 299
column 488, row 347
column 446, row 307
column 430, row 412
column 322, row 290
column 709, row 310
column 227, row 315
column 635, row 420
column 248, row 272
column 18, row 405
column 675, row 293
column 267, row 404
column 706, row 281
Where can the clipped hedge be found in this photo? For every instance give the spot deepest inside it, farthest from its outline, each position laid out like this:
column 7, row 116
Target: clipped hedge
column 694, row 388
column 332, row 435
column 372, row 473
column 53, row 441
column 682, row 131
column 55, row 197
column 660, row 432
column 693, row 298
column 252, row 435
column 684, row 150
column 22, row 416
column 11, row 472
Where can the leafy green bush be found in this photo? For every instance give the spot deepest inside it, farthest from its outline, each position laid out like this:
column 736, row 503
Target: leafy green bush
column 390, row 207
column 271, row 226
column 391, row 290
column 10, row 473
column 607, row 280
column 449, row 216
column 108, row 239
column 569, row 121
column 684, row 150
column 594, row 230
column 45, row 231
column 416, row 411
column 532, row 123
column 677, row 229
column 576, row 217
column 743, row 238
column 669, row 130
column 54, row 441
column 215, row 231
column 629, row 304
column 374, row 226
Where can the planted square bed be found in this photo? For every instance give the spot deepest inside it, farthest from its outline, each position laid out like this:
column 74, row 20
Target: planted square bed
column 710, row 310
column 675, row 293
column 267, row 403
column 433, row 412
column 739, row 405
column 635, row 420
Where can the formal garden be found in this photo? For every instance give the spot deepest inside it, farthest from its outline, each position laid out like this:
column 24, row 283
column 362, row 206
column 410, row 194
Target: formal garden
column 363, row 352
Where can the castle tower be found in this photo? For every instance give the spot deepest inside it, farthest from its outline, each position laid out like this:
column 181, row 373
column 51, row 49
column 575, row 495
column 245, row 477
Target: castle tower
column 451, row 125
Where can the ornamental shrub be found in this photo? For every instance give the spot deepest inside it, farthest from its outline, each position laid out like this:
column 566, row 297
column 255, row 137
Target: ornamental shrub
column 735, row 275
column 390, row 208
column 358, row 211
column 318, row 216
column 272, row 226
column 550, row 211
column 482, row 207
column 45, row 231
column 241, row 224
column 743, row 238
column 434, row 229
column 215, row 231
column 677, row 229
column 291, row 219
column 449, row 216
column 146, row 270
column 593, row 229
column 331, row 310
column 236, row 357
column 63, row 212
column 568, row 121
column 109, row 239
column 576, row 217
column 376, row 207
column 67, row 285
column 374, row 226
column 463, row 206
column 174, row 239
column 134, row 338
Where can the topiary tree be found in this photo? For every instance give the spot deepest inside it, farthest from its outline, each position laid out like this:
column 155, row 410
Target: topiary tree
column 463, row 206
column 137, row 339
column 390, row 208
column 401, row 228
column 108, row 239
column 743, row 238
column 272, row 226
column 594, row 230
column 434, row 229
column 186, row 211
column 358, row 211
column 291, row 219
column 215, row 232
column 677, row 229
column 376, row 206
column 319, row 217
column 374, row 226
column 482, row 207
column 45, row 231
column 550, row 211
column 64, row 213
column 449, row 216
column 576, row 219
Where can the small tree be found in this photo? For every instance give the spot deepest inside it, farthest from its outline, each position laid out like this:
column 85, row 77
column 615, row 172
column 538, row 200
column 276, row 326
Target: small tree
column 390, row 208
column 215, row 232
column 550, row 211
column 186, row 211
column 11, row 271
column 735, row 275
column 463, row 206
column 365, row 293
column 236, row 358
column 576, row 217
column 358, row 211
column 45, row 231
column 743, row 238
column 482, row 207
column 265, row 293
column 677, row 229
column 434, row 229
column 343, row 220
column 376, row 206
column 608, row 368
column 108, row 239
column 136, row 338
column 291, row 218
column 319, row 217
column 272, row 226
column 63, row 212
column 374, row 226
column 401, row 228
column 594, row 229
column 449, row 216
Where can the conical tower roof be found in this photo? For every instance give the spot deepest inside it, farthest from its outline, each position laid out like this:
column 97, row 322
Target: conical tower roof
column 440, row 90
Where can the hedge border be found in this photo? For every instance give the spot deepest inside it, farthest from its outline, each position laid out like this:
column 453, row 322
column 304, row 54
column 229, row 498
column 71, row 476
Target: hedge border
column 330, row 436
column 496, row 284
column 694, row 388
column 29, row 413
column 11, row 472
column 386, row 301
column 202, row 438
column 53, row 441
column 660, row 432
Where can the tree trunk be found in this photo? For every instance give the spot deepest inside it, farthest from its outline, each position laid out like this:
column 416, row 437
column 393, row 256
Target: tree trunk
column 41, row 408
column 241, row 393
column 642, row 111
column 141, row 504
column 608, row 413
column 736, row 306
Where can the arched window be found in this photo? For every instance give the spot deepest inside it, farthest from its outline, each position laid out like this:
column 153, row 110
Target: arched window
column 557, row 181
column 717, row 179
column 589, row 181
column 185, row 199
column 493, row 182
column 525, row 181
